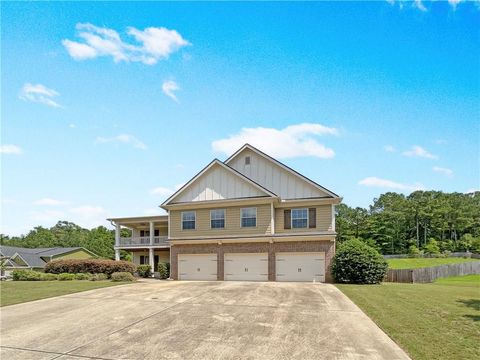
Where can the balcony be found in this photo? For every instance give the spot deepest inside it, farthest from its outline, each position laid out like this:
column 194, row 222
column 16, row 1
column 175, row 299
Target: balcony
column 143, row 241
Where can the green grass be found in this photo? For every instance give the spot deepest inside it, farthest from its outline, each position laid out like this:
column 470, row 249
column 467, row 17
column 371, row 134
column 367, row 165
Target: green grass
column 429, row 321
column 415, row 263
column 15, row 292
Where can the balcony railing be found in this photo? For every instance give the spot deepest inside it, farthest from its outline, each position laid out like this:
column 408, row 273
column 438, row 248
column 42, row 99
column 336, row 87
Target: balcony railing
column 143, row 241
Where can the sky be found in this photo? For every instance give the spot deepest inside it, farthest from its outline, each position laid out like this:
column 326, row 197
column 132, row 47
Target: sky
column 107, row 108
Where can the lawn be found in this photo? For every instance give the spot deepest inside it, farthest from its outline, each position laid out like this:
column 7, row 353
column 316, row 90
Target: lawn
column 15, row 292
column 430, row 321
column 414, row 263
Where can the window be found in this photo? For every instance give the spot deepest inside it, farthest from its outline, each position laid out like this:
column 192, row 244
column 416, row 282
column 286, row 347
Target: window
column 143, row 259
column 217, row 219
column 299, row 218
column 188, row 220
column 248, row 217
column 247, row 160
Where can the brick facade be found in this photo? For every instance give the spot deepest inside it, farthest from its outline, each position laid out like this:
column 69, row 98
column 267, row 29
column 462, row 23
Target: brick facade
column 271, row 248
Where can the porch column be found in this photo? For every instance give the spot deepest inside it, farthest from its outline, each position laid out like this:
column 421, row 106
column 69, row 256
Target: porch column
column 117, row 242
column 152, row 232
column 151, row 259
column 117, row 254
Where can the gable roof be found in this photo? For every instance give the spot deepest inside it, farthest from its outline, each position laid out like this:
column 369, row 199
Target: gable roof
column 33, row 257
column 283, row 166
column 235, row 173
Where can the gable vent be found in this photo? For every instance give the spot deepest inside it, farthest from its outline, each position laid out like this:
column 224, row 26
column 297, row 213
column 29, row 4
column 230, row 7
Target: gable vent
column 247, row 160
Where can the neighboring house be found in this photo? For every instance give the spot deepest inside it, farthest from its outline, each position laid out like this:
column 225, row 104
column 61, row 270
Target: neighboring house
column 247, row 218
column 37, row 258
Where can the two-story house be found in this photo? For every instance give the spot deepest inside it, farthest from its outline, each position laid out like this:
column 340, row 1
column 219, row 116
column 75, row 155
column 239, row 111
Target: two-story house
column 247, row 218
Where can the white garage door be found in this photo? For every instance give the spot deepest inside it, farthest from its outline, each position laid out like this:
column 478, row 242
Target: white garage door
column 300, row 266
column 197, row 266
column 246, row 266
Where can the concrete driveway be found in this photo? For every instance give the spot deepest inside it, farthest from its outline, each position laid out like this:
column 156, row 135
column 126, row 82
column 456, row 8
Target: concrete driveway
column 195, row 320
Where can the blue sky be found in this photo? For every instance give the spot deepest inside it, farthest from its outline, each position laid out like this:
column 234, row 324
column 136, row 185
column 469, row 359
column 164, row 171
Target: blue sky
column 108, row 107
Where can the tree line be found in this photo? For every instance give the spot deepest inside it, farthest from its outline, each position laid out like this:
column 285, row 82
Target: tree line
column 397, row 224
column 393, row 224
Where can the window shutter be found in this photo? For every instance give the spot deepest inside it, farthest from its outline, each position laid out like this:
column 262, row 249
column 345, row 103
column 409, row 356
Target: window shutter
column 312, row 218
column 287, row 219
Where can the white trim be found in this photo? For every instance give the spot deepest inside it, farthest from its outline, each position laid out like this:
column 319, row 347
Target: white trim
column 224, row 219
column 291, row 218
column 181, row 220
column 268, row 157
column 333, row 217
column 272, row 220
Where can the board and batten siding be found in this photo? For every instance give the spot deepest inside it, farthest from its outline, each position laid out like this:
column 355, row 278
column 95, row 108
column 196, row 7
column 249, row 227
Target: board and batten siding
column 217, row 184
column 232, row 223
column 273, row 177
column 324, row 220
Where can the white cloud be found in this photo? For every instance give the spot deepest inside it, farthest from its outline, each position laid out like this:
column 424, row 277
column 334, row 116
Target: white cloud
column 444, row 171
column 49, row 202
column 419, row 5
column 472, row 190
column 123, row 138
column 48, row 216
column 418, row 151
column 169, row 87
column 40, row 94
column 10, row 149
column 153, row 44
column 384, row 183
column 163, row 191
column 89, row 216
column 292, row 141
column 454, row 3
column 72, row 126
column 389, row 148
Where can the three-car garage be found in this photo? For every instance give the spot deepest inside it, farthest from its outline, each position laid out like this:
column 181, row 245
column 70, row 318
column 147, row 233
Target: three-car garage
column 306, row 266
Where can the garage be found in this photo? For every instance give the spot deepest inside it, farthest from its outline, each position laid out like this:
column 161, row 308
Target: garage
column 246, row 266
column 197, row 266
column 300, row 266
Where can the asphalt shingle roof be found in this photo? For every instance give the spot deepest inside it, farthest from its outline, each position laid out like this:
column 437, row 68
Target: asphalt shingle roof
column 33, row 256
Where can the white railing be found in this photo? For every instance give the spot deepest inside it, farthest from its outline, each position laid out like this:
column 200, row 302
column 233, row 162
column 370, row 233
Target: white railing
column 143, row 241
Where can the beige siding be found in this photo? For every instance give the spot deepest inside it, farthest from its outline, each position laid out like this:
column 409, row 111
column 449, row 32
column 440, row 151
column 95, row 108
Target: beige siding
column 324, row 220
column 232, row 223
column 164, row 256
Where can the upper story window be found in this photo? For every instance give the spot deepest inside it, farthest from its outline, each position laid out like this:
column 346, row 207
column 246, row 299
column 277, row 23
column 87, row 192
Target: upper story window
column 299, row 218
column 217, row 219
column 188, row 220
column 248, row 217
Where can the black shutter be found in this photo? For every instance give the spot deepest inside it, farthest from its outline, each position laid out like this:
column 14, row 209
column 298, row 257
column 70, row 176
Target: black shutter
column 312, row 218
column 287, row 219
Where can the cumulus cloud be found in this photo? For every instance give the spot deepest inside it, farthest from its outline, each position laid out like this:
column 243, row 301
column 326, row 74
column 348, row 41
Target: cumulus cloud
column 48, row 216
column 444, row 171
column 389, row 184
column 389, row 148
column 49, row 202
column 420, row 4
column 123, row 138
column 472, row 190
column 418, row 151
column 292, row 141
column 152, row 44
column 165, row 191
column 169, row 87
column 39, row 94
column 10, row 149
column 89, row 216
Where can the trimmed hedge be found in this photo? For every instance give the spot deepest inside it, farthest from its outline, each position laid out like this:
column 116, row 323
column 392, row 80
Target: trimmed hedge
column 98, row 277
column 164, row 270
column 66, row 277
column 122, row 276
column 26, row 275
column 93, row 266
column 357, row 263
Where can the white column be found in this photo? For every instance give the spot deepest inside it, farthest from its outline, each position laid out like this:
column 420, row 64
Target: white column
column 117, row 254
column 151, row 259
column 117, row 235
column 152, row 232
column 272, row 220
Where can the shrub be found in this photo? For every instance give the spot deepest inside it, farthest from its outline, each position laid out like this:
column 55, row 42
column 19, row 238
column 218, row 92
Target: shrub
column 26, row 275
column 164, row 270
column 357, row 263
column 144, row 271
column 93, row 266
column 81, row 276
column 432, row 247
column 49, row 277
column 413, row 251
column 98, row 277
column 122, row 276
column 66, row 277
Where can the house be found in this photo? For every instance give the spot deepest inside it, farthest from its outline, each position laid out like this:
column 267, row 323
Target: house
column 37, row 258
column 249, row 217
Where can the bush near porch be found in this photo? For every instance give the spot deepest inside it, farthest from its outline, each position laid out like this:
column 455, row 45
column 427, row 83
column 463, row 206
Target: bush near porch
column 92, row 266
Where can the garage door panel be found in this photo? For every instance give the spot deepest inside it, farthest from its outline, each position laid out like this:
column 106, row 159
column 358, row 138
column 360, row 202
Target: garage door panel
column 298, row 266
column 197, row 267
column 246, row 266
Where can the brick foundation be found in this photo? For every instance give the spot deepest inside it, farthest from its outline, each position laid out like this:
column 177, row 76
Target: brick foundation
column 271, row 248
